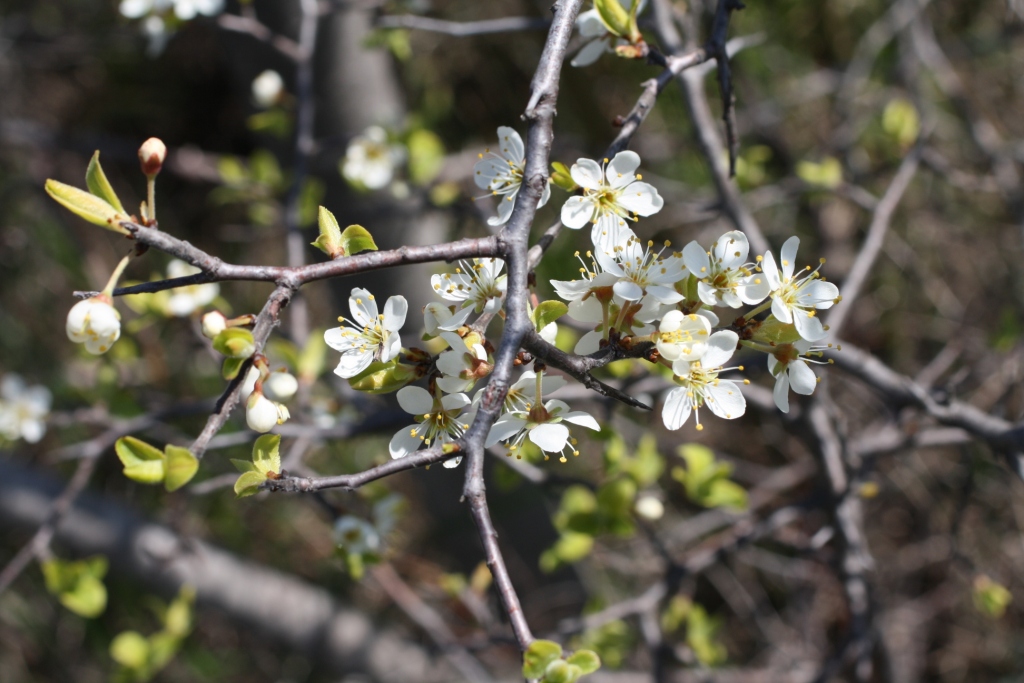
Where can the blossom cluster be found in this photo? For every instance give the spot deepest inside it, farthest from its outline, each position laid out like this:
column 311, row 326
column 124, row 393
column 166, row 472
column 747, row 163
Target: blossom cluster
column 23, row 409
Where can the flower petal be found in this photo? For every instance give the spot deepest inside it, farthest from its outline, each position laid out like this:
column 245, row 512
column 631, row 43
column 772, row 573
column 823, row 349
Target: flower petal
column 405, row 441
column 788, row 256
column 621, row 169
column 641, row 198
column 677, row 408
column 511, row 144
column 781, row 392
column 802, row 378
column 415, row 400
column 587, row 173
column 550, row 437
column 577, row 212
column 721, row 346
column 696, row 260
column 726, row 400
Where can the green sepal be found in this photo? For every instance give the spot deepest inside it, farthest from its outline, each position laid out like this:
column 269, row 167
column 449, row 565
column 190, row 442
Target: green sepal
column 98, row 184
column 231, row 367
column 90, row 207
column 538, row 656
column 235, row 342
column 562, row 178
column 181, row 466
column 142, row 463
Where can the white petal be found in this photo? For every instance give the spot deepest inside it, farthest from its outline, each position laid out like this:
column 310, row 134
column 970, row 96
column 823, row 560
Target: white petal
column 550, row 437
column 454, row 402
column 590, row 52
column 405, row 441
column 577, row 212
column 641, row 198
column 818, row 294
column 725, row 399
column 351, row 364
column 452, row 363
column 587, row 173
column 754, row 289
column 809, row 327
column 731, row 249
column 505, row 428
column 621, row 169
column 696, row 260
column 395, row 311
column 665, row 295
column 454, row 462
column 630, row 291
column 511, row 144
column 363, row 307
column 415, row 400
column 781, row 392
column 583, row 419
column 677, row 408
column 802, row 378
column 391, row 346
column 771, row 271
column 721, row 346
column 549, row 333
column 589, row 343
column 788, row 255
column 781, row 311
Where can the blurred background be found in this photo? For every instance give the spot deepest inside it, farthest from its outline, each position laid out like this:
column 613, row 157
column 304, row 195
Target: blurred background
column 831, row 96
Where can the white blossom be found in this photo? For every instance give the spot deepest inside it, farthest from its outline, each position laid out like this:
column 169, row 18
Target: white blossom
column 699, row 385
column 478, row 284
column 371, row 159
column 523, row 394
column 261, row 414
column 183, row 9
column 724, row 276
column 789, row 366
column 797, row 299
column 599, row 39
column 502, row 174
column 640, row 270
column 462, row 365
column 214, row 323
column 610, row 191
column 95, row 323
column 185, row 300
column 438, row 419
column 356, row 536
column 23, row 409
column 373, row 337
column 682, row 337
column 544, row 425
column 437, row 318
column 267, row 88
column 281, row 386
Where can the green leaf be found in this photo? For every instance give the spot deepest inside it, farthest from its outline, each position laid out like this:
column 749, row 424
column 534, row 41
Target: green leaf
column 142, row 463
column 162, row 648
column 426, row 156
column 355, row 239
column 614, row 17
column 538, row 656
column 178, row 618
column 548, row 312
column 559, row 671
column 725, row 493
column 827, row 174
column 78, row 585
column 587, row 661
column 266, row 453
column 243, row 466
column 130, row 649
column 900, row 120
column 560, row 177
column 98, row 184
column 249, row 484
column 181, row 467
column 572, row 546
column 235, row 342
column 88, row 206
column 88, row 598
column 773, row 331
column 329, row 240
column 231, row 368
column 990, row 598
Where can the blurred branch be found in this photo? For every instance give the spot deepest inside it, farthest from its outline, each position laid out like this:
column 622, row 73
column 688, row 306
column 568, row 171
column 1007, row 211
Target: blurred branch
column 253, row 27
column 463, row 29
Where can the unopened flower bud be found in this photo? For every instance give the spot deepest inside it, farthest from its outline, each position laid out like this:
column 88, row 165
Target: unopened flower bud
column 650, row 508
column 214, row 323
column 267, row 88
column 261, row 414
column 151, row 156
column 95, row 323
column 281, row 386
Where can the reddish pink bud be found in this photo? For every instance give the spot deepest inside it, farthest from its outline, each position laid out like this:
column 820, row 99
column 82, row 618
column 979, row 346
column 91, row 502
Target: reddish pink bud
column 151, row 156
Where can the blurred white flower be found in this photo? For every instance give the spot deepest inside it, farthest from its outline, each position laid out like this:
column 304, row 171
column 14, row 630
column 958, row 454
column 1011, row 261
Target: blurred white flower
column 356, row 536
column 95, row 323
column 23, row 409
column 370, row 159
column 478, row 284
column 267, row 88
column 185, row 300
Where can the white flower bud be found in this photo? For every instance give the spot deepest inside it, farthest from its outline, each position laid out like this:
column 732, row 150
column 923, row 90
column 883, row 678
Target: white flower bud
column 650, row 508
column 151, row 156
column 250, row 382
column 261, row 414
column 214, row 323
column 95, row 323
column 281, row 386
column 267, row 88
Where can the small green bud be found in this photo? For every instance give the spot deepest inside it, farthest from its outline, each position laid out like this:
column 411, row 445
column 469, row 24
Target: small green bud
column 235, row 342
column 384, row 378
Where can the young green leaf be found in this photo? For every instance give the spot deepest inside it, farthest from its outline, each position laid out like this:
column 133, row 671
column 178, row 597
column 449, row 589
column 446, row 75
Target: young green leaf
column 248, row 484
column 355, row 239
column 142, row 463
column 98, row 184
column 587, row 661
column 538, row 656
column 426, row 156
column 181, row 467
column 329, row 240
column 90, row 207
column 266, row 454
column 560, row 177
column 548, row 312
column 614, row 17
column 78, row 585
column 231, row 368
column 130, row 649
column 235, row 342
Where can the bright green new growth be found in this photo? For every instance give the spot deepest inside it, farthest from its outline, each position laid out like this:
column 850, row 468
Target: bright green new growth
column 335, row 243
column 78, row 585
column 235, row 342
column 174, row 466
column 707, row 480
column 141, row 658
column 266, row 463
column 543, row 661
column 94, row 209
column 546, row 313
column 97, row 182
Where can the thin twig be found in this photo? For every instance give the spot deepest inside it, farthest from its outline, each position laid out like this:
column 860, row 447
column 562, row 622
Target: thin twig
column 463, row 29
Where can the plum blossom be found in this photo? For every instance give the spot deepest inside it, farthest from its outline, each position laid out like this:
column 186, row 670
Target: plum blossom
column 183, row 301
column 267, row 88
column 502, row 174
column 477, row 284
column 374, row 336
column 95, row 323
column 789, row 366
column 640, row 270
column 544, row 425
column 599, row 39
column 611, row 191
column 463, row 364
column 796, row 299
column 438, row 419
column 682, row 337
column 261, row 414
column 724, row 276
column 370, row 159
column 699, row 385
column 23, row 409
